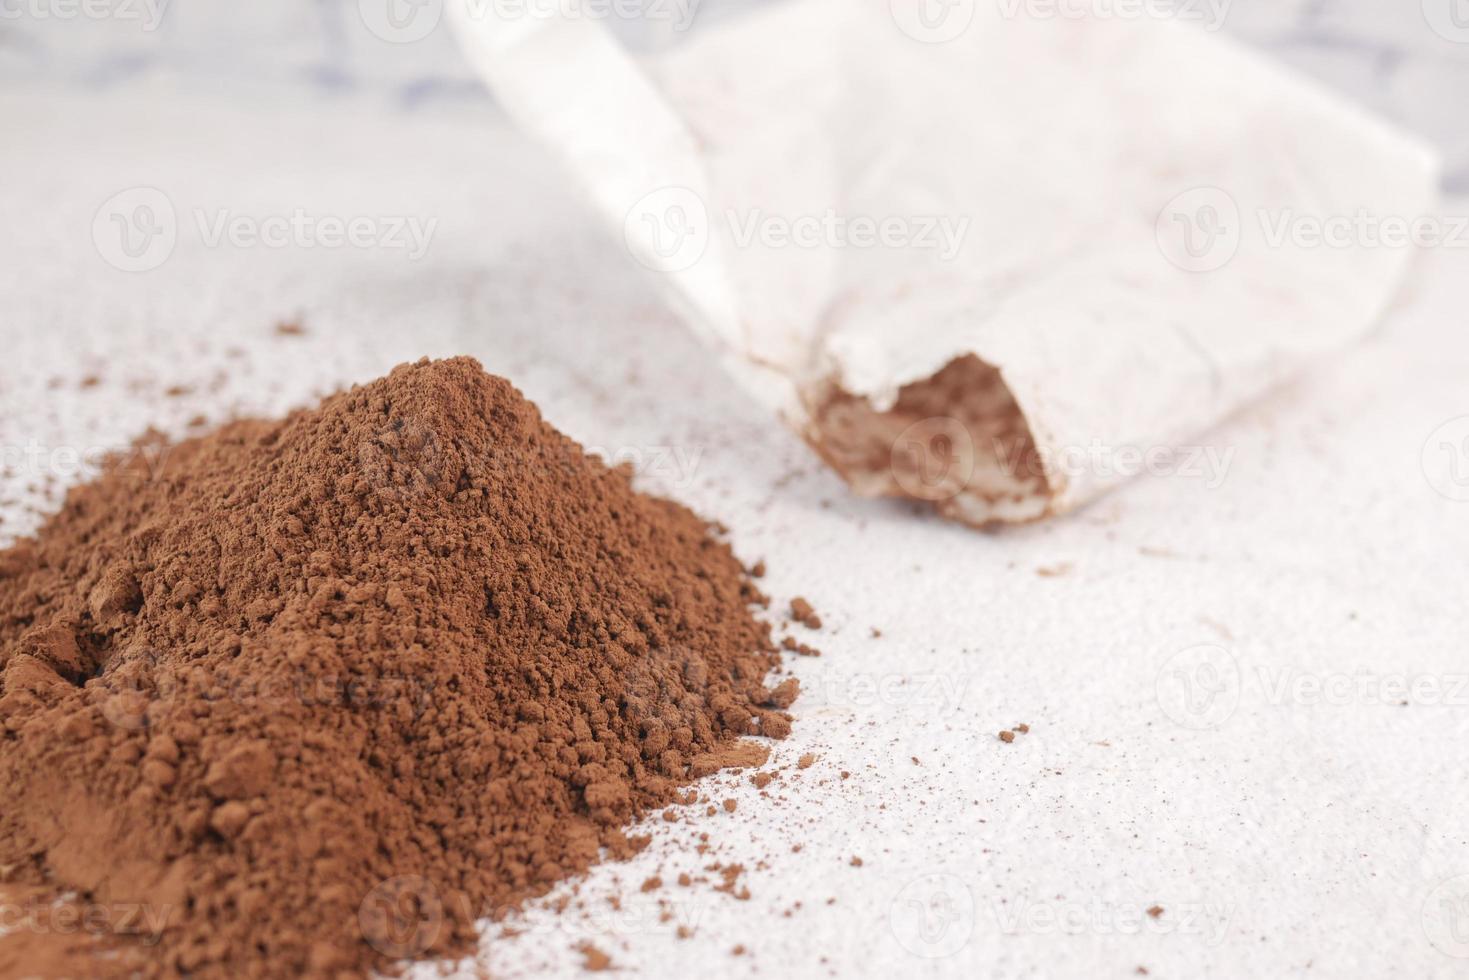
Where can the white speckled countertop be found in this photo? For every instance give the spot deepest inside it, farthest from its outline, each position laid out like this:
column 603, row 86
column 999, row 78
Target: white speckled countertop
column 1247, row 690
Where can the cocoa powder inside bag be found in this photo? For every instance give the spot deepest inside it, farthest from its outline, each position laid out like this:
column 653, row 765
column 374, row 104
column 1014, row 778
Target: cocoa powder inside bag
column 310, row 696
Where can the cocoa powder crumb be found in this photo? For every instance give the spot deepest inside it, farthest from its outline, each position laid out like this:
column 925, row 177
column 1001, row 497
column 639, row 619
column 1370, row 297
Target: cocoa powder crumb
column 792, row 645
column 593, row 959
column 1007, row 736
column 804, row 614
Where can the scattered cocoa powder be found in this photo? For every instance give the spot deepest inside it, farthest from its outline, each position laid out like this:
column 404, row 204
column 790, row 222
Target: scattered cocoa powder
column 803, row 613
column 593, row 959
column 792, row 645
column 321, row 692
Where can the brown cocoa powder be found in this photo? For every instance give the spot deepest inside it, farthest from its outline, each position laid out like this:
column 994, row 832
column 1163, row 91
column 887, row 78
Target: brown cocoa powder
column 318, row 693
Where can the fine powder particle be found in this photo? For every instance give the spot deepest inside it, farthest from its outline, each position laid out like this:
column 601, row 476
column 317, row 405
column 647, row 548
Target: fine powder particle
column 318, row 693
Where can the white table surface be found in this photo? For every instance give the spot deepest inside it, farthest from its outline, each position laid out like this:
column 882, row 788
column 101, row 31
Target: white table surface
column 1386, row 55
column 1284, row 831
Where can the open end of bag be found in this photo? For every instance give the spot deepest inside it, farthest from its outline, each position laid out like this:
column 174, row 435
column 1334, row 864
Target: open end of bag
column 957, row 440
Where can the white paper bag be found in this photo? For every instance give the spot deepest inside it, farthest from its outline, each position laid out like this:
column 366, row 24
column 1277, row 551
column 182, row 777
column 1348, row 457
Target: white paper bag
column 999, row 263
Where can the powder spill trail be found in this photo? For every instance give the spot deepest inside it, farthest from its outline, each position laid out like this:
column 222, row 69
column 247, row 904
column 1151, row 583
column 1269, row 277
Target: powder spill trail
column 318, row 693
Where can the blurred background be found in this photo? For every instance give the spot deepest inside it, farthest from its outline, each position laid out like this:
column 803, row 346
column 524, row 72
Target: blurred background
column 1406, row 59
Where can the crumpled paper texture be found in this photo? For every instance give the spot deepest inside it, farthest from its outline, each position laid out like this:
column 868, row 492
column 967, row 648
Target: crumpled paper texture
column 999, row 265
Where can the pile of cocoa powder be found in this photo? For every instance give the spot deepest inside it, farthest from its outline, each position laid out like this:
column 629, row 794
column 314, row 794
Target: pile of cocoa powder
column 313, row 695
